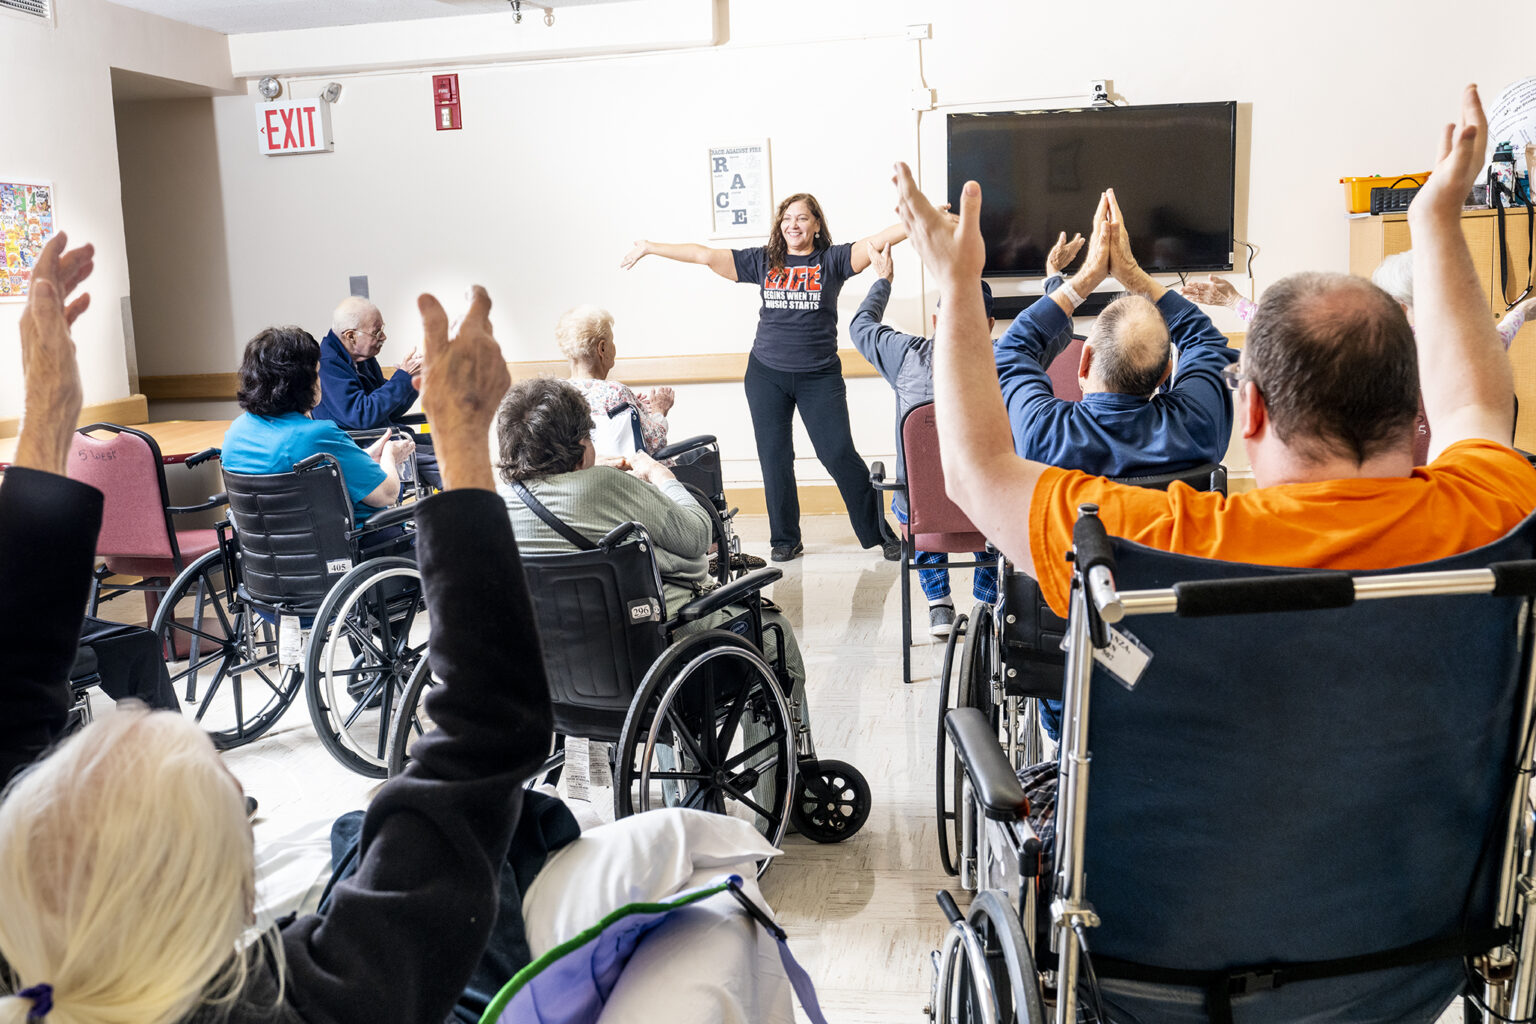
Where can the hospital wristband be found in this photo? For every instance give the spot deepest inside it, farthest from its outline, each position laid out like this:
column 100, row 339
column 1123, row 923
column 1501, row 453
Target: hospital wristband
column 1071, row 294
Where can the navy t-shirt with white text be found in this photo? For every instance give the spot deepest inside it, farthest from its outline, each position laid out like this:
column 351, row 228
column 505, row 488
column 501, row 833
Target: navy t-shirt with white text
column 797, row 327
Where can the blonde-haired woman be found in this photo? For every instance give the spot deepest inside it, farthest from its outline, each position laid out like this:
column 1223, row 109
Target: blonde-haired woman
column 794, row 362
column 126, row 880
column 585, row 337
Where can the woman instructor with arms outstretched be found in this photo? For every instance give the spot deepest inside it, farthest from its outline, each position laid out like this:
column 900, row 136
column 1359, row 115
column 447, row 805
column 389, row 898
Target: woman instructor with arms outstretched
column 794, row 361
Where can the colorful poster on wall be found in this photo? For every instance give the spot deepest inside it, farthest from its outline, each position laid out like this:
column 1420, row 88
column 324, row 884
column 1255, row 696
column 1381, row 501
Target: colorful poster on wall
column 741, row 193
column 26, row 222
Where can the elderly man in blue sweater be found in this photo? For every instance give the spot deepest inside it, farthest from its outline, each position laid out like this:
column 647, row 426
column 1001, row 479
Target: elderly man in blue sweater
column 353, row 391
column 1139, row 416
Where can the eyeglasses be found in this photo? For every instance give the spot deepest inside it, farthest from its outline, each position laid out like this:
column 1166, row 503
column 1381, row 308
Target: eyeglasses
column 377, row 335
column 1234, row 376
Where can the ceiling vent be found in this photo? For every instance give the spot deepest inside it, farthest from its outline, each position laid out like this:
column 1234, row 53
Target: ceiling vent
column 36, row 8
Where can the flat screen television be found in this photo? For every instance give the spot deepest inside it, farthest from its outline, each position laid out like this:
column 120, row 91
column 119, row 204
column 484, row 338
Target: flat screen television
column 1172, row 167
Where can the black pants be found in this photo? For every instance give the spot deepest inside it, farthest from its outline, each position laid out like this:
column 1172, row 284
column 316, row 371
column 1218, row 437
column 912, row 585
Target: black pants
column 822, row 399
column 129, row 661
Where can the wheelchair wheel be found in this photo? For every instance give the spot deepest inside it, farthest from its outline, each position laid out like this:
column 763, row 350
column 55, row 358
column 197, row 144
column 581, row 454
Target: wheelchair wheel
column 411, row 718
column 831, row 802
column 709, row 729
column 946, row 782
column 367, row 638
column 1009, row 965
column 222, row 656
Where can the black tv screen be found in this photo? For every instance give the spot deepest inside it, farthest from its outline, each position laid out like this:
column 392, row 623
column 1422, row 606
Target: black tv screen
column 1041, row 172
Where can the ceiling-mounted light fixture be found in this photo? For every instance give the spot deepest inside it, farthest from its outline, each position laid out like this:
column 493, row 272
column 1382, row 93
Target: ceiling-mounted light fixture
column 331, row 93
column 517, row 11
column 270, row 88
column 549, row 17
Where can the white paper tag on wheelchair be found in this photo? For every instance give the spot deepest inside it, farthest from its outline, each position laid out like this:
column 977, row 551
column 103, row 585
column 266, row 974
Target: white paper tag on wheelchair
column 578, row 754
column 1126, row 657
column 290, row 640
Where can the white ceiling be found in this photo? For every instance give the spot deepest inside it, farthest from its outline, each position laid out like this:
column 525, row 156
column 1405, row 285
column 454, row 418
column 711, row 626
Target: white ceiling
column 236, row 16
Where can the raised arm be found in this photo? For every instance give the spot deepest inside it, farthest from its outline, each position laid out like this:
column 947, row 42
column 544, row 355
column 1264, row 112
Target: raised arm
column 436, row 836
column 884, row 346
column 1463, row 372
column 859, row 257
column 981, row 473
column 721, row 261
column 48, row 523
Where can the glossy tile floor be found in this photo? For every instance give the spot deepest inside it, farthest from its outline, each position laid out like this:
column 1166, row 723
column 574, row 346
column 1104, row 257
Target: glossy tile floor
column 861, row 915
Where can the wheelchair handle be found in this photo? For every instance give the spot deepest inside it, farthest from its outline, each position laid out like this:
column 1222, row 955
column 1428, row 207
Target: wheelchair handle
column 203, row 456
column 1095, row 559
column 947, row 904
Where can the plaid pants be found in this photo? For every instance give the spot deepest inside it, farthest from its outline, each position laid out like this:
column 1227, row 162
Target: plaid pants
column 935, row 580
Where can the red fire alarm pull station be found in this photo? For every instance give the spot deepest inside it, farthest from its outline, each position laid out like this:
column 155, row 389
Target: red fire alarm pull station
column 445, row 98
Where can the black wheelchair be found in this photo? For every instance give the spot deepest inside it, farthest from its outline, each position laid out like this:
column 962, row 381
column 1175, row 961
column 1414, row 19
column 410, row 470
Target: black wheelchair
column 1318, row 810
column 700, row 717
column 1007, row 662
column 297, row 591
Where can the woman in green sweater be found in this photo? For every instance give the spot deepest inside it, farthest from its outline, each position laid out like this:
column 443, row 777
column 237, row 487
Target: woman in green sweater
column 543, row 431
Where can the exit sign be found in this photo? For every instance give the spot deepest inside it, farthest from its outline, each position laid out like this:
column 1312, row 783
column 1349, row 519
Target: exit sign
column 294, row 126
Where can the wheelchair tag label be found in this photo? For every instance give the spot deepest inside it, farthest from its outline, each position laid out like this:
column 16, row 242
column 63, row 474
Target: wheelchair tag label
column 645, row 609
column 1125, row 658
column 290, row 640
column 337, row 566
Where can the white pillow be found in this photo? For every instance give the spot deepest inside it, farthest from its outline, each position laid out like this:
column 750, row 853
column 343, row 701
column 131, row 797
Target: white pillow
column 641, row 858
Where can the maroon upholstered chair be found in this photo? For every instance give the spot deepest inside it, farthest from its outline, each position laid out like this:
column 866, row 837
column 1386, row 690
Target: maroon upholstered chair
column 934, row 523
column 138, row 537
column 1063, row 371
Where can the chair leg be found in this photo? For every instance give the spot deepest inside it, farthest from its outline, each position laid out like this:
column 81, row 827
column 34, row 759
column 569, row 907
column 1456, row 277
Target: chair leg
column 906, row 611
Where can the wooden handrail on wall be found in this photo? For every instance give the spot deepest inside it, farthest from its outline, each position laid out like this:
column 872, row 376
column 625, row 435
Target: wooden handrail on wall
column 638, row 371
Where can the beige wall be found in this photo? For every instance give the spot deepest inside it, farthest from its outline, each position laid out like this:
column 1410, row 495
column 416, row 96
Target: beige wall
column 565, row 160
column 58, row 127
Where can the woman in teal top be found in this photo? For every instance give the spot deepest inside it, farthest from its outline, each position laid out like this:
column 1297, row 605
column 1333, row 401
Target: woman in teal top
column 279, row 385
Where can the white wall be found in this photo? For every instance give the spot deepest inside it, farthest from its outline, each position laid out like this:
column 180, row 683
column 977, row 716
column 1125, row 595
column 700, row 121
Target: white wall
column 562, row 163
column 58, row 127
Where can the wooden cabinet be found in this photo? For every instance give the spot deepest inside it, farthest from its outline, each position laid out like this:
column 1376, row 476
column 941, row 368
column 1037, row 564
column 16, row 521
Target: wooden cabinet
column 1372, row 238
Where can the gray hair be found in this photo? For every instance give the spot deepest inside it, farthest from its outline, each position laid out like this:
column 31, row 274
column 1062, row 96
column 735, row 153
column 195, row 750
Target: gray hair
column 351, row 312
column 1131, row 346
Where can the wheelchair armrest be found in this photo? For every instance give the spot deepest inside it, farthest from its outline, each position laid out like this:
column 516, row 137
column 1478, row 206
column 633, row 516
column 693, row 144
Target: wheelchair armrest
column 992, row 777
column 877, row 479
column 415, row 419
column 384, row 519
column 214, row 501
column 677, row 448
column 619, row 534
column 734, row 591
column 203, row 456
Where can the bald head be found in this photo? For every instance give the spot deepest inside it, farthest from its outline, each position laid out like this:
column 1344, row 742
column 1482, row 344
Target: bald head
column 1334, row 358
column 1131, row 350
column 360, row 326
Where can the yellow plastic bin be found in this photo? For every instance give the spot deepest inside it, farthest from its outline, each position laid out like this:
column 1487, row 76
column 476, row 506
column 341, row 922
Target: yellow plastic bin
column 1357, row 191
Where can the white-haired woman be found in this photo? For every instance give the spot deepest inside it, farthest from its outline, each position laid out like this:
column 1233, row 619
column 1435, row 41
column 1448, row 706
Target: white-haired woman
column 585, row 337
column 125, row 856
